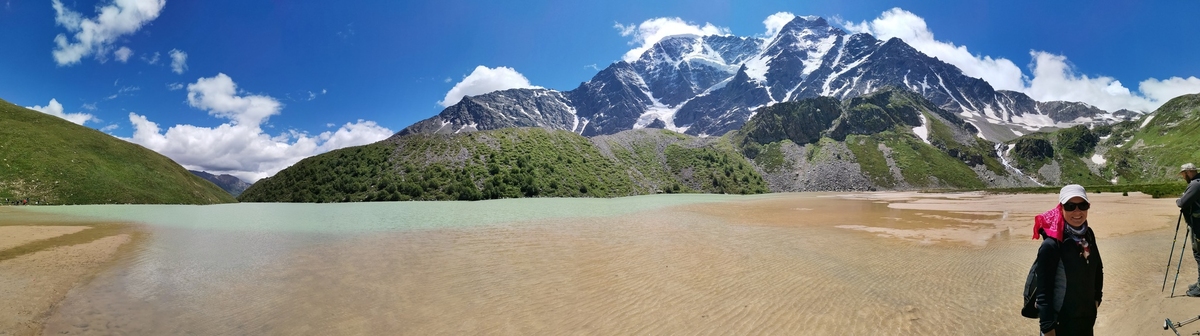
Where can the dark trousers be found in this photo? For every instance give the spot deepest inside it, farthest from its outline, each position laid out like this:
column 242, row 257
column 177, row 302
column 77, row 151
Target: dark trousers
column 1195, row 240
column 1075, row 326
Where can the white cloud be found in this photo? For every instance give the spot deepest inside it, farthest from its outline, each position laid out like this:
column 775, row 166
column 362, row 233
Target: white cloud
column 123, row 54
column 96, row 35
column 776, row 21
column 110, row 128
column 218, row 95
column 649, row 32
column 174, row 86
column 1164, row 90
column 56, row 109
column 153, row 59
column 896, row 22
column 240, row 147
column 484, row 80
column 125, row 91
column 1053, row 78
column 178, row 61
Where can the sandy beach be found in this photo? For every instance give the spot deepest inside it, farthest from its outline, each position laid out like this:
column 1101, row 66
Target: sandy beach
column 41, row 263
column 814, row 264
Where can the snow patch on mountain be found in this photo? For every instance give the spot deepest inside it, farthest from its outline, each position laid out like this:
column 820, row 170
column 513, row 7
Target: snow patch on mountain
column 922, row 131
column 821, row 48
column 1147, row 121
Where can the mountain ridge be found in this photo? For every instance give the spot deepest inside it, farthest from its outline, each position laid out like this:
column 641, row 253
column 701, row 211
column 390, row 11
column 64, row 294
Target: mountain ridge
column 674, row 83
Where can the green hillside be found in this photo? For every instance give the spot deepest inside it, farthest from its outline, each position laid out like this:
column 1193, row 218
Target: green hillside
column 48, row 160
column 877, row 129
column 510, row 163
column 1153, row 153
column 1145, row 151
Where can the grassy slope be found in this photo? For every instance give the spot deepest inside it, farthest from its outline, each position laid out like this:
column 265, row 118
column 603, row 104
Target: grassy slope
column 508, row 163
column 1172, row 138
column 922, row 165
column 50, row 160
column 1148, row 155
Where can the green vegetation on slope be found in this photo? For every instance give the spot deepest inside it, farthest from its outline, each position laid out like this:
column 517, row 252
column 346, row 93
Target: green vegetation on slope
column 1155, row 190
column 1153, row 153
column 49, row 160
column 871, row 160
column 1070, row 148
column 510, row 163
column 865, row 123
column 925, row 166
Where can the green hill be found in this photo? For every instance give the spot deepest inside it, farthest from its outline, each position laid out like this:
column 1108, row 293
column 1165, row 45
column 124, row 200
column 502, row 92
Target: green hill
column 48, row 160
column 869, row 143
column 1153, row 153
column 1146, row 151
column 514, row 162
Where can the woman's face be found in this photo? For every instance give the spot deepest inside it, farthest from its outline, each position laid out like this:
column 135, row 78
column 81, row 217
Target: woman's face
column 1078, row 216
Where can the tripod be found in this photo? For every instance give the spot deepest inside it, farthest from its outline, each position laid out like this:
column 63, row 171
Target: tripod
column 1174, row 326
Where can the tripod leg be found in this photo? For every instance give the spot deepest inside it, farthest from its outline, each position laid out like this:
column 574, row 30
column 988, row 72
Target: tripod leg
column 1187, row 237
column 1172, row 253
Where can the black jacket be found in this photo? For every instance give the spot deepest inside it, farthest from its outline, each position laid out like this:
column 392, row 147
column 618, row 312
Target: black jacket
column 1188, row 202
column 1084, row 280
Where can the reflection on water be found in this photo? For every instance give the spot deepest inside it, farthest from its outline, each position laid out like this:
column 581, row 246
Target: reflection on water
column 642, row 265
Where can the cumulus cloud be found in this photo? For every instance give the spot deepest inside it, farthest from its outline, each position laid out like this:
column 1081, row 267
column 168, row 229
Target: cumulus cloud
column 96, row 35
column 1053, row 77
column 178, row 61
column 1164, row 90
column 776, row 21
column 484, row 80
column 649, row 32
column 55, row 109
column 123, row 54
column 239, row 147
column 896, row 22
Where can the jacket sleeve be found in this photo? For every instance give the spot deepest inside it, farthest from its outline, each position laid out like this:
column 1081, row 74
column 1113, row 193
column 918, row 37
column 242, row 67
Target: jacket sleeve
column 1099, row 270
column 1189, row 196
column 1047, row 259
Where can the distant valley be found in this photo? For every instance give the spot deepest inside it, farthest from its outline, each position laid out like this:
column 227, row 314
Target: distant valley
column 231, row 184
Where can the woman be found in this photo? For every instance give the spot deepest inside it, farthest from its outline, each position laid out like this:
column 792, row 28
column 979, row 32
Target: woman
column 1074, row 244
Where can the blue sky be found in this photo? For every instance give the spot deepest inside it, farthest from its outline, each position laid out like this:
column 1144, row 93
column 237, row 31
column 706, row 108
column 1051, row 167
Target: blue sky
column 318, row 75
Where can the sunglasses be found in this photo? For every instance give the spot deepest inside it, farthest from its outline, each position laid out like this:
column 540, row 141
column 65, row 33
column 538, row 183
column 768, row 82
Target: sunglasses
column 1072, row 206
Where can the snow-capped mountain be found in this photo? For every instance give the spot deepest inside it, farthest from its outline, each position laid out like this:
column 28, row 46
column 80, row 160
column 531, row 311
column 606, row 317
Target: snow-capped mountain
column 709, row 85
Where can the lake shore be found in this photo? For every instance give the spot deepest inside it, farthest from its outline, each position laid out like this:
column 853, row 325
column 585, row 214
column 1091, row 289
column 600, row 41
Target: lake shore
column 792, row 263
column 43, row 257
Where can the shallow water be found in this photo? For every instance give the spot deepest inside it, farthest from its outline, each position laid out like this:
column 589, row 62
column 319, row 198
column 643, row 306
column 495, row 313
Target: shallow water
column 693, row 264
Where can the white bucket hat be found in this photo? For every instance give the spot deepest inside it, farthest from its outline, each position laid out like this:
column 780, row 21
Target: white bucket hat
column 1186, row 167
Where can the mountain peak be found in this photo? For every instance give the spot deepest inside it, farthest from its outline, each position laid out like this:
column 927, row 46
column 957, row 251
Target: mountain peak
column 808, row 21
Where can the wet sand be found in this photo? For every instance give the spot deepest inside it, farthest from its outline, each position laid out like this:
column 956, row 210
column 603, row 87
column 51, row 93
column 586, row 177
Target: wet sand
column 40, row 264
column 821, row 264
column 17, row 235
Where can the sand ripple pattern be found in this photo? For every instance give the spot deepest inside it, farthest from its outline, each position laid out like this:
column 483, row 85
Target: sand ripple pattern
column 681, row 272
